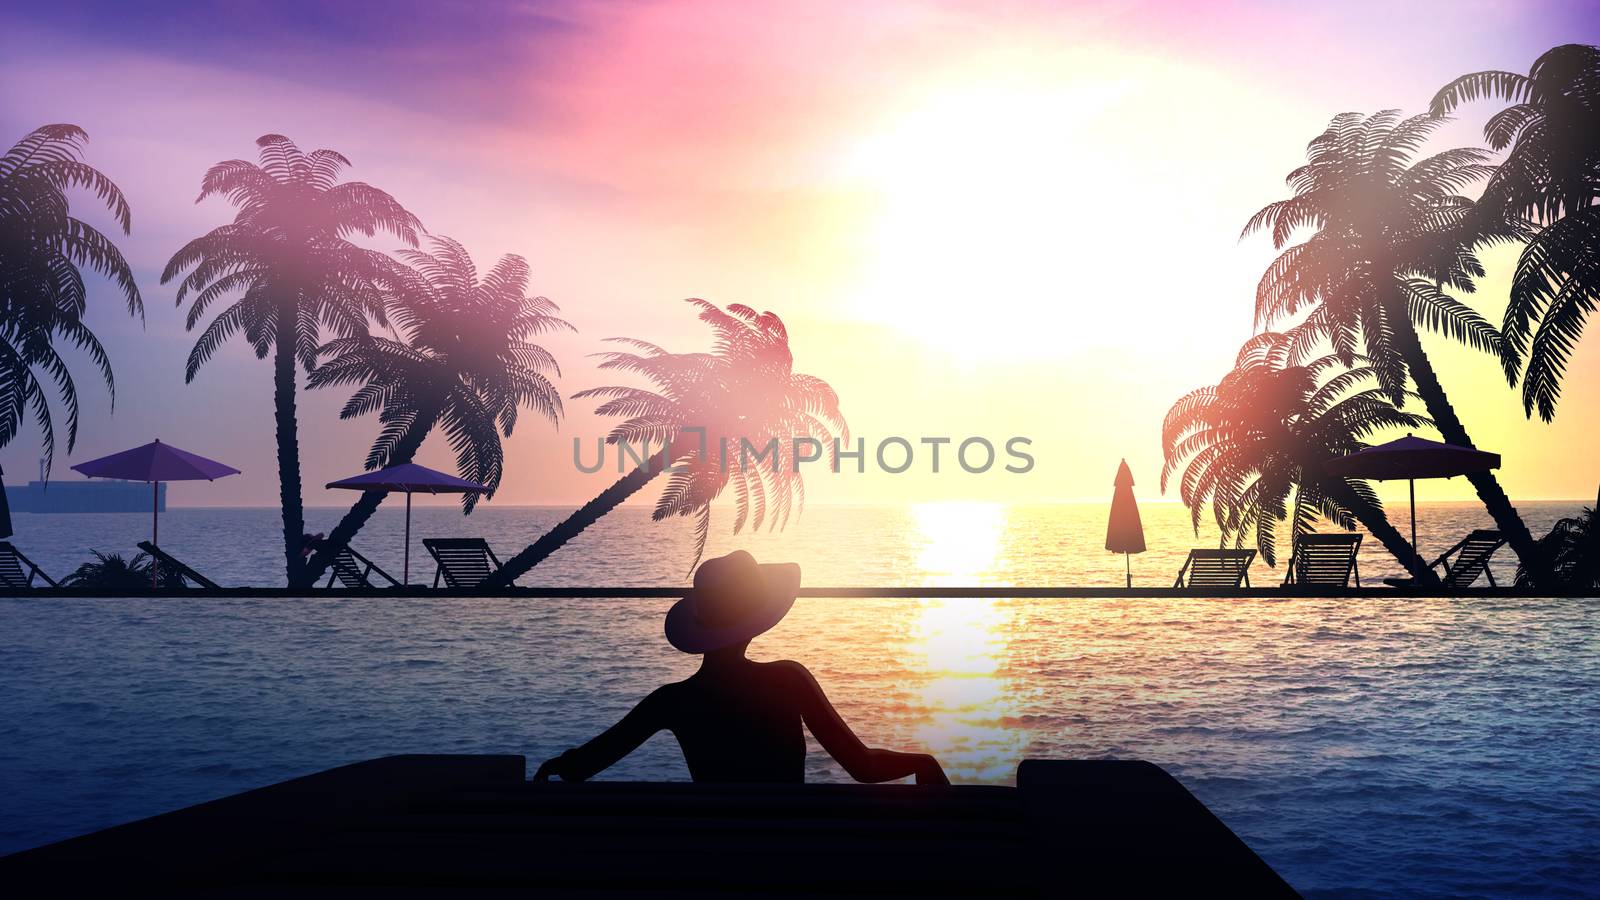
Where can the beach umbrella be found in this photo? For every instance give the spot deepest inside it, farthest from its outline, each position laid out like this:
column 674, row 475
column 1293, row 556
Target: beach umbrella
column 155, row 462
column 410, row 478
column 5, row 508
column 1412, row 458
column 1124, row 532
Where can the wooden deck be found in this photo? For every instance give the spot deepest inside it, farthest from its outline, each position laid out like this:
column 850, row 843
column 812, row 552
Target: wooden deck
column 449, row 826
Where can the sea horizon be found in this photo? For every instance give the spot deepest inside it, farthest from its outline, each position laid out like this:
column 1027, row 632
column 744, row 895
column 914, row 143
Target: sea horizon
column 995, row 543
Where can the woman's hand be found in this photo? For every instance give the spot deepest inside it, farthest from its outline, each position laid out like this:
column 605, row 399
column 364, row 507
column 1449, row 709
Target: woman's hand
column 930, row 772
column 547, row 768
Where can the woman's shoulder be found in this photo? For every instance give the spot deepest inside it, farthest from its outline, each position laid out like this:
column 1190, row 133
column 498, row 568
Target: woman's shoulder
column 788, row 670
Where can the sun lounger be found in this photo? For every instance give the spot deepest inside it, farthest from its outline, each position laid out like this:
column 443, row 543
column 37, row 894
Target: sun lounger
column 175, row 567
column 1208, row 569
column 463, row 562
column 355, row 571
column 1324, row 560
column 1472, row 556
column 12, row 574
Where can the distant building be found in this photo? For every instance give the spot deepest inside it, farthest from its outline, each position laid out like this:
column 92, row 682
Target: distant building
column 84, row 496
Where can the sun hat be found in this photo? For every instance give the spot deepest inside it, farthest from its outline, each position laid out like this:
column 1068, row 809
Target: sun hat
column 734, row 598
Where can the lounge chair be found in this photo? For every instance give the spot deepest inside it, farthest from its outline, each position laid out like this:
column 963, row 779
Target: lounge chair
column 175, row 568
column 355, row 571
column 1208, row 569
column 12, row 576
column 1472, row 555
column 463, row 562
column 1324, row 560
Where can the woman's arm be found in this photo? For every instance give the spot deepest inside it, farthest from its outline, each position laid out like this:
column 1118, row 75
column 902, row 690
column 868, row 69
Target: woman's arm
column 582, row 763
column 862, row 762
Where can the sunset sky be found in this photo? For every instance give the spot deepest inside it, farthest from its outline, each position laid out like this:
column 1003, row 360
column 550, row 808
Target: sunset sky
column 989, row 219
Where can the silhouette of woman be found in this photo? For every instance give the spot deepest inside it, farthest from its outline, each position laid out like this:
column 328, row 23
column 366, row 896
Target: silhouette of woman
column 738, row 720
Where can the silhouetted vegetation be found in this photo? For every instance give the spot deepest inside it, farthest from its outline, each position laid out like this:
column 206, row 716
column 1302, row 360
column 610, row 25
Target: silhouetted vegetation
column 464, row 362
column 1389, row 233
column 114, row 572
column 1551, row 175
column 1253, row 446
column 1377, row 242
column 288, row 257
column 1572, row 550
column 44, row 251
column 746, row 389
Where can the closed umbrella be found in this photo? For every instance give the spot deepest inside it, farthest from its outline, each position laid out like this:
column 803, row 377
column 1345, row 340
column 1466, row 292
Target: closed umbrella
column 1412, row 458
column 410, row 478
column 155, row 462
column 1124, row 532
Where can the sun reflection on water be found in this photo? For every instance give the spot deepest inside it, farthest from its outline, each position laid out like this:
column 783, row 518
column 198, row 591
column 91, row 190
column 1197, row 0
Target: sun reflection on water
column 960, row 644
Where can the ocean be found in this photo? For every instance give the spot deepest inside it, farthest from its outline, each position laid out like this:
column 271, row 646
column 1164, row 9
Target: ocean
column 1363, row 747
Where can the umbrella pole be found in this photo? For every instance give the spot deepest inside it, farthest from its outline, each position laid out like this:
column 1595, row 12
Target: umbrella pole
column 155, row 527
column 1416, row 555
column 1127, row 565
column 405, row 573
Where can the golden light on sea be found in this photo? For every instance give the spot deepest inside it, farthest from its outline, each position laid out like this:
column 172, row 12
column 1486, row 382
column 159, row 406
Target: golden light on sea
column 961, row 643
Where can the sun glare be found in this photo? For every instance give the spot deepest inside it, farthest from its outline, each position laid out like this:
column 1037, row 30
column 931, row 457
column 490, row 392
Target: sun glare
column 986, row 201
column 960, row 541
column 963, row 641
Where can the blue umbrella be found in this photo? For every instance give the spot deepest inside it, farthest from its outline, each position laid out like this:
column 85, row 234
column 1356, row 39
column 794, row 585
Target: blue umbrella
column 155, row 462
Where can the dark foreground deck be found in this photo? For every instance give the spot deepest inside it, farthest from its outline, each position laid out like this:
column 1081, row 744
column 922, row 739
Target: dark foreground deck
column 452, row 826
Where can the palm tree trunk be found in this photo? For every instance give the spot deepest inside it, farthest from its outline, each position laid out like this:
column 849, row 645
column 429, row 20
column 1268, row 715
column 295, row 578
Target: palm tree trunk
column 283, row 387
column 1444, row 418
column 574, row 524
column 360, row 511
column 1377, row 524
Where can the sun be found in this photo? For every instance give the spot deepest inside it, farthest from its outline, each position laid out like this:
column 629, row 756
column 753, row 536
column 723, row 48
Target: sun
column 987, row 198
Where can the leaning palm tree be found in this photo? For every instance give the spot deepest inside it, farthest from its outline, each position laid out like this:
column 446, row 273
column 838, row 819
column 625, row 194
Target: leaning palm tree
column 1261, row 436
column 288, row 257
column 1551, row 174
column 44, row 251
column 711, row 413
column 1388, row 234
column 466, row 363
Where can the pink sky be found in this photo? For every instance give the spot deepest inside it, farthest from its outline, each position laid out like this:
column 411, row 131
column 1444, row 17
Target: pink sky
column 978, row 219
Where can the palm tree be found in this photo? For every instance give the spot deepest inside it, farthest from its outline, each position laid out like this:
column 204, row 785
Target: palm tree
column 466, row 363
column 44, row 251
column 1573, row 549
column 1389, row 233
column 706, row 409
column 1552, row 174
column 288, row 256
column 1262, row 435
